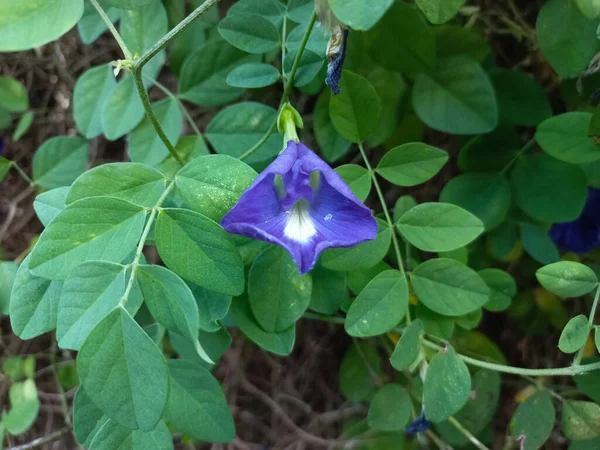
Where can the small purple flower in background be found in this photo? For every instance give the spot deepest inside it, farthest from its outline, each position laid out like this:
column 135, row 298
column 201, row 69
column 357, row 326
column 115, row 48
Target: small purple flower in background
column 301, row 204
column 419, row 425
column 583, row 234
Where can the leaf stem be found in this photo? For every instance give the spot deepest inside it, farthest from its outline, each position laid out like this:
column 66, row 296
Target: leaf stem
column 467, row 434
column 112, row 29
column 22, row 173
column 591, row 317
column 288, row 87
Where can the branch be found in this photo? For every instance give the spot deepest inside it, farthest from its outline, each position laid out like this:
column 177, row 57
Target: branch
column 43, row 440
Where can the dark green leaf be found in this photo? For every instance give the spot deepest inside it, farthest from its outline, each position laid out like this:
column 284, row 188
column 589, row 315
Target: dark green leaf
column 502, row 289
column 253, row 75
column 357, row 178
column 574, row 335
column 356, row 380
column 390, row 408
column 408, row 347
column 440, row 11
column 533, row 421
column 249, row 32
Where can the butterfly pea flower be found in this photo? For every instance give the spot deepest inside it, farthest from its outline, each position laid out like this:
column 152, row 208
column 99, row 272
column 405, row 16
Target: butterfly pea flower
column 303, row 205
column 336, row 49
column 583, row 234
column 419, row 425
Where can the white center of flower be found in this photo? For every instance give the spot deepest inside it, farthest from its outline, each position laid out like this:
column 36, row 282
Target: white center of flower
column 299, row 226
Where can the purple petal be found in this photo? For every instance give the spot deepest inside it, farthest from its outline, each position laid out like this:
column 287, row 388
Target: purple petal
column 305, row 220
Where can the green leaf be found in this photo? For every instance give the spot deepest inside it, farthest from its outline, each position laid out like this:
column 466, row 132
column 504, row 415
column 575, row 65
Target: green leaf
column 502, row 289
column 359, row 14
column 403, row 204
column 8, row 272
column 538, row 244
column 235, row 129
column 361, row 256
column 558, row 194
column 197, row 406
column 48, row 204
column 357, row 178
column 356, row 380
column 379, row 307
column 269, row 9
column 328, row 290
column 123, row 109
column 5, row 166
column 137, row 183
column 447, row 385
column 440, row 11
column 332, row 145
column 124, row 372
column 91, row 26
column 169, row 299
column 355, row 111
column 565, row 137
column 521, row 99
column 574, row 335
column 89, row 96
column 204, row 73
column 59, row 161
column 278, row 295
column 13, row 96
column 435, row 324
column 114, row 436
column 457, row 97
column 253, row 75
column 280, row 343
column 533, row 421
column 390, row 408
column 91, row 291
column 455, row 40
column 144, row 145
column 33, row 303
column 199, row 250
column 24, row 407
column 129, row 4
column 439, row 227
column 589, row 8
column 559, row 25
column 34, row 23
column 23, row 125
column 97, row 228
column 212, row 307
column 87, row 418
column 567, row 278
column 408, row 347
column 309, row 67
column 188, row 148
column 213, row 184
column 580, row 420
column 249, row 32
column 392, row 91
column 317, row 41
column 411, row 164
column 449, row 287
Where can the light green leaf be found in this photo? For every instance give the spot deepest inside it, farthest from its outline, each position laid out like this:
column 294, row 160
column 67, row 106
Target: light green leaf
column 114, row 436
column 91, row 26
column 24, row 407
column 449, row 287
column 23, row 125
column 97, row 228
column 439, row 227
column 123, row 109
column 574, row 335
column 359, row 14
column 34, row 303
column 328, row 290
column 533, row 421
column 408, row 347
column 355, row 111
column 251, row 33
column 89, row 96
column 129, row 4
column 567, row 278
column 379, row 307
column 332, row 145
column 390, row 408
column 48, row 204
column 5, row 166
column 281, row 343
column 199, row 250
column 253, row 75
column 144, row 145
column 357, row 178
column 411, row 164
column 87, row 418
column 278, row 295
column 59, row 161
column 213, row 184
column 30, row 24
column 447, row 385
column 309, row 67
column 137, row 183
column 457, row 97
column 235, row 129
column 317, row 41
column 502, row 289
column 440, row 11
column 13, row 96
column 124, row 372
column 8, row 272
column 356, row 379
column 197, row 406
column 581, row 420
column 558, row 194
column 589, row 8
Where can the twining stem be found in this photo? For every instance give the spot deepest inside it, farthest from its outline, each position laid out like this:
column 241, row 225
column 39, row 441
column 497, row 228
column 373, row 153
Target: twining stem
column 591, row 317
column 126, row 53
column 140, row 248
column 288, row 87
column 467, row 434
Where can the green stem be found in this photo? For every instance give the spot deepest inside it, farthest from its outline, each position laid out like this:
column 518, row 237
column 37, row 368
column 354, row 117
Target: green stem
column 140, row 248
column 22, row 173
column 283, row 36
column 526, row 147
column 113, row 30
column 467, row 434
column 579, row 355
column 288, row 87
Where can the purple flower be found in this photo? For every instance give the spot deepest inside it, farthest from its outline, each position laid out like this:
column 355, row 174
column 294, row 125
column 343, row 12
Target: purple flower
column 583, row 234
column 419, row 425
column 336, row 53
column 301, row 204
